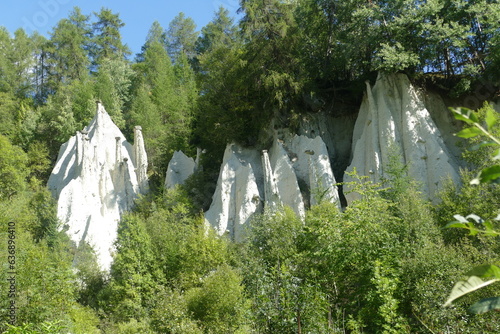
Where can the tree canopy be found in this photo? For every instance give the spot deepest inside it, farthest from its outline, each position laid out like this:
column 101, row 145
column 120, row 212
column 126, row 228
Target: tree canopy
column 382, row 265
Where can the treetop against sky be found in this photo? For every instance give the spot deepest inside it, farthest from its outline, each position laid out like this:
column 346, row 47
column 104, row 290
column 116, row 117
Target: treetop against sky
column 43, row 15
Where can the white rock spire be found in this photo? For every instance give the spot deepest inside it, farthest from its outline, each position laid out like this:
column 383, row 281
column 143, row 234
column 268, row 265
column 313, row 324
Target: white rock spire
column 394, row 120
column 94, row 181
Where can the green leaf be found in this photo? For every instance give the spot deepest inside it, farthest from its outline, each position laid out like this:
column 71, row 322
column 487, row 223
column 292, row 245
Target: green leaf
column 457, row 225
column 490, row 174
column 496, row 155
column 469, row 133
column 462, row 288
column 490, row 118
column 485, row 305
column 485, row 271
column 463, row 222
column 465, row 115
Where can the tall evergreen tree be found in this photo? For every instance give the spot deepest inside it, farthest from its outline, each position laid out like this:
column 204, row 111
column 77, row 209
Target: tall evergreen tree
column 107, row 40
column 181, row 37
column 164, row 104
column 155, row 34
column 112, row 87
column 70, row 41
column 221, row 30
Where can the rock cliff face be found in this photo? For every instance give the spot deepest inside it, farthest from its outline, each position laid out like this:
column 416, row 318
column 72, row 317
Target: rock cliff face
column 393, row 119
column 97, row 177
column 250, row 181
column 237, row 196
column 179, row 169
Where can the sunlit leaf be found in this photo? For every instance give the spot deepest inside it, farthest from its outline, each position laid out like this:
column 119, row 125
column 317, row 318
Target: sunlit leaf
column 467, row 225
column 469, row 132
column 490, row 174
column 485, row 271
column 496, row 155
column 464, row 114
column 456, row 225
column 490, row 118
column 485, row 305
column 475, row 181
column 462, row 288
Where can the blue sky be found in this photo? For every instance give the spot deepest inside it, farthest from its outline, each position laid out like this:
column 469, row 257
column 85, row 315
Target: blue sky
column 43, row 15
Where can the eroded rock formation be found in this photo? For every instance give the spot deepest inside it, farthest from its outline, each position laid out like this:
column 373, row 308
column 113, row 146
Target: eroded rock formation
column 250, row 181
column 97, row 177
column 237, row 196
column 179, row 169
column 393, row 120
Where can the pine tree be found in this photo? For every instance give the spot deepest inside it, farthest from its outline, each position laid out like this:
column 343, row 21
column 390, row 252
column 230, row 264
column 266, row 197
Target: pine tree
column 181, row 37
column 106, row 37
column 70, row 41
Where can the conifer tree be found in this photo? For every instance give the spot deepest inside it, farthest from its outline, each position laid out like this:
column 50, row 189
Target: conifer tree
column 181, row 37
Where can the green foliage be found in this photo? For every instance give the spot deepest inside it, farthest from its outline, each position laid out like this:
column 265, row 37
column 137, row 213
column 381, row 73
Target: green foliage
column 170, row 314
column 45, row 280
column 69, row 110
column 43, row 328
column 106, row 37
column 472, row 197
column 395, row 58
column 385, row 287
column 486, row 175
column 219, row 303
column 181, row 37
column 68, row 57
column 165, row 100
column 133, row 271
column 45, row 209
column 284, row 298
column 112, row 84
column 8, row 109
column 13, row 169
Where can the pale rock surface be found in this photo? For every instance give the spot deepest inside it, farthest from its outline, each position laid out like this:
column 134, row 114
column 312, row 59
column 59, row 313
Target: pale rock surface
column 393, row 119
column 250, row 182
column 272, row 200
column 237, row 196
column 336, row 132
column 446, row 123
column 286, row 179
column 179, row 169
column 97, row 177
column 312, row 166
column 141, row 160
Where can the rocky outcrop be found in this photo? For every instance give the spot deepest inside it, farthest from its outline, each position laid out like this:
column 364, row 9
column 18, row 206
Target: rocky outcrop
column 312, row 166
column 237, row 196
column 336, row 132
column 179, row 169
column 97, row 177
column 271, row 193
column 393, row 120
column 250, row 181
column 286, row 179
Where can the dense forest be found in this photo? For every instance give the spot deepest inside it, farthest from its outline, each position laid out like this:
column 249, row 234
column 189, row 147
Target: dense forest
column 385, row 264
